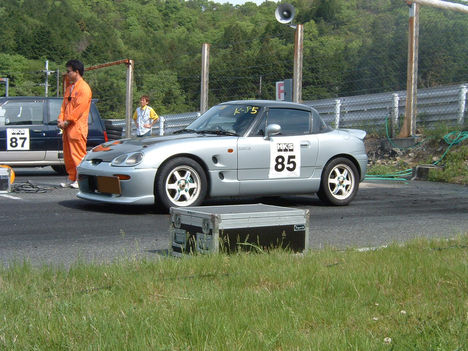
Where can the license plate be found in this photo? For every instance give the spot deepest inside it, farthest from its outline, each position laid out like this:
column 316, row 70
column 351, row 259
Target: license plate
column 108, row 185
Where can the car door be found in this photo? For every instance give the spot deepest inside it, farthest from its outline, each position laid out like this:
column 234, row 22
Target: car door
column 22, row 130
column 282, row 163
column 54, row 133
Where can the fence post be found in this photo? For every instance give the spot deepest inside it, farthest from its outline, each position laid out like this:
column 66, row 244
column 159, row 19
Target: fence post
column 337, row 113
column 128, row 100
column 204, row 77
column 162, row 122
column 394, row 114
column 461, row 104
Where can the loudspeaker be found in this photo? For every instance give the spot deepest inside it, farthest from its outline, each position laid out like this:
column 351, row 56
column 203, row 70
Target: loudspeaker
column 285, row 13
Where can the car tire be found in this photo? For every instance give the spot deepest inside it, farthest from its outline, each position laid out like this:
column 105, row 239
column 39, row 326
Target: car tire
column 339, row 183
column 60, row 169
column 181, row 182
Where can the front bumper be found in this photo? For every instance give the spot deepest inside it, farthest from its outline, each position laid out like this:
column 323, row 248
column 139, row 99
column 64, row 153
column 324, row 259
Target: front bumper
column 139, row 189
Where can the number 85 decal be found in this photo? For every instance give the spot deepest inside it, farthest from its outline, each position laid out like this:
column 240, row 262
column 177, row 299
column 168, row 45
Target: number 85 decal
column 285, row 159
column 290, row 165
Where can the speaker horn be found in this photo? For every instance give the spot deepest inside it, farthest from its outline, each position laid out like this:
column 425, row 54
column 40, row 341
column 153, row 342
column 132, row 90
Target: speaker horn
column 285, row 13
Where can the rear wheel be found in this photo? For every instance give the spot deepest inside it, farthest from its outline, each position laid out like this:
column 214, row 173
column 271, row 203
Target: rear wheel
column 181, row 183
column 339, row 183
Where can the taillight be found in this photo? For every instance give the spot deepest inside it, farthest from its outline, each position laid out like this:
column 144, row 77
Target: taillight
column 106, row 139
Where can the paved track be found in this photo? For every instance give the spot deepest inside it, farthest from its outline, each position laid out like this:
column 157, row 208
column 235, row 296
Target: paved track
column 56, row 227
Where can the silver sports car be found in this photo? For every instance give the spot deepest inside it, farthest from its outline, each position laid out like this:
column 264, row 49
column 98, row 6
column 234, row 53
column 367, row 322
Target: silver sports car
column 237, row 148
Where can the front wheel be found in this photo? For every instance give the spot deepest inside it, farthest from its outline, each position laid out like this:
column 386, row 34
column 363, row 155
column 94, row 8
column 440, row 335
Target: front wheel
column 181, row 183
column 339, row 183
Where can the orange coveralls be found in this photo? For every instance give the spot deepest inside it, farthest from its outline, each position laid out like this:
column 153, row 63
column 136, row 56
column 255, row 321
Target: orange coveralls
column 76, row 111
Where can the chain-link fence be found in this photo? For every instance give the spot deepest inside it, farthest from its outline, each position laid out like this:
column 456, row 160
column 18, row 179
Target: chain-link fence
column 376, row 113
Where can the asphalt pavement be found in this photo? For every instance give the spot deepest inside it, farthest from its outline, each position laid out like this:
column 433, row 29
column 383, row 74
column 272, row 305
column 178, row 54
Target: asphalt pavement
column 45, row 224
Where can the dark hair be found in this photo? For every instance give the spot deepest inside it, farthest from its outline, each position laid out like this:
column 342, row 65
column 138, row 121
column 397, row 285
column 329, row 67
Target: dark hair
column 146, row 97
column 76, row 65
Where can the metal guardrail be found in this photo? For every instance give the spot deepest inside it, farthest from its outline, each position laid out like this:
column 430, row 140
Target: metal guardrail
column 441, row 104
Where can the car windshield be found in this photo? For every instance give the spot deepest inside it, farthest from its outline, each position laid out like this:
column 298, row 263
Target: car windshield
column 226, row 119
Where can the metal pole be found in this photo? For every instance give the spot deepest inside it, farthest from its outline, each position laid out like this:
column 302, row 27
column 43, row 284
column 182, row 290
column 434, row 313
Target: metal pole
column 443, row 5
column 6, row 87
column 58, row 82
column 46, row 77
column 260, row 88
column 128, row 100
column 204, row 77
column 409, row 124
column 162, row 121
column 394, row 113
column 462, row 104
column 298, row 58
column 337, row 113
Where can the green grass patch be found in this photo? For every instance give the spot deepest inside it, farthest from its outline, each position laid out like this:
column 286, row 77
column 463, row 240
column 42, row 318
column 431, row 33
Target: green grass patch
column 382, row 169
column 455, row 168
column 411, row 297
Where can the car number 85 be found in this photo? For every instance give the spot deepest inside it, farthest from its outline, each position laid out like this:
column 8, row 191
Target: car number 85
column 285, row 159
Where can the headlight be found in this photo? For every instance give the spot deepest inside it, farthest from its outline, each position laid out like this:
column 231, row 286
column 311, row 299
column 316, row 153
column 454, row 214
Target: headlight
column 127, row 160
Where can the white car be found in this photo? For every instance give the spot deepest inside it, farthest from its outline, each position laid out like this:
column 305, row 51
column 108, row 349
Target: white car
column 237, row 148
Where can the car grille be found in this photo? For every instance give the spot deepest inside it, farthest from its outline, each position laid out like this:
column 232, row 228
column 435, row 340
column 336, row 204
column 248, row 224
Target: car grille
column 88, row 184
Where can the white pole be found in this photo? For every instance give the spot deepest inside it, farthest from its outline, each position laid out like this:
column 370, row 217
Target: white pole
column 58, row 82
column 337, row 113
column 128, row 100
column 46, row 77
column 161, row 125
column 394, row 113
column 462, row 104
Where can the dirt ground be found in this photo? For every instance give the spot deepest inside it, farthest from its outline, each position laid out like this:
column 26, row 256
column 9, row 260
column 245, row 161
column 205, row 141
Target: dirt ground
column 383, row 151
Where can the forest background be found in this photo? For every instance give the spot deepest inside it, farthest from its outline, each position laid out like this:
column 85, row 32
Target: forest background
column 351, row 47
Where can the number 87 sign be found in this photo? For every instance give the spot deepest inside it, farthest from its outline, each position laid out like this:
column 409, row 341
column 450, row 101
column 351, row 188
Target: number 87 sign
column 17, row 139
column 285, row 159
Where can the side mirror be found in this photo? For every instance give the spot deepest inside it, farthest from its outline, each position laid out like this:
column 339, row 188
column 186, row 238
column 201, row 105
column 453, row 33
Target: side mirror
column 272, row 129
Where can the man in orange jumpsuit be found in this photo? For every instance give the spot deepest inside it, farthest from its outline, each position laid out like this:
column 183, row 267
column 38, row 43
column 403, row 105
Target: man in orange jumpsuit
column 73, row 120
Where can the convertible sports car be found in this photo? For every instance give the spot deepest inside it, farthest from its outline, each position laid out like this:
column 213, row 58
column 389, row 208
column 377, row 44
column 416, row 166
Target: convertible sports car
column 237, row 148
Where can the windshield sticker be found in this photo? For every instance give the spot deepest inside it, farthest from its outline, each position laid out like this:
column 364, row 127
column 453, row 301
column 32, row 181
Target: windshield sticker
column 17, row 139
column 285, row 159
column 252, row 110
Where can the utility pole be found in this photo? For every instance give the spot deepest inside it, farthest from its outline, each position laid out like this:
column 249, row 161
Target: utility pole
column 284, row 14
column 298, row 58
column 409, row 124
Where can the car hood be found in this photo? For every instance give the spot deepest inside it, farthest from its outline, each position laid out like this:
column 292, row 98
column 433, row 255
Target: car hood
column 108, row 151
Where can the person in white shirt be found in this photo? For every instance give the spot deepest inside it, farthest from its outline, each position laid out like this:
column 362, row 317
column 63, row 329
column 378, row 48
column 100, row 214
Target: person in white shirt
column 145, row 117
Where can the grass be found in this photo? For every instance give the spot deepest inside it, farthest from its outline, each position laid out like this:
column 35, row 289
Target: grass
column 455, row 168
column 411, row 297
